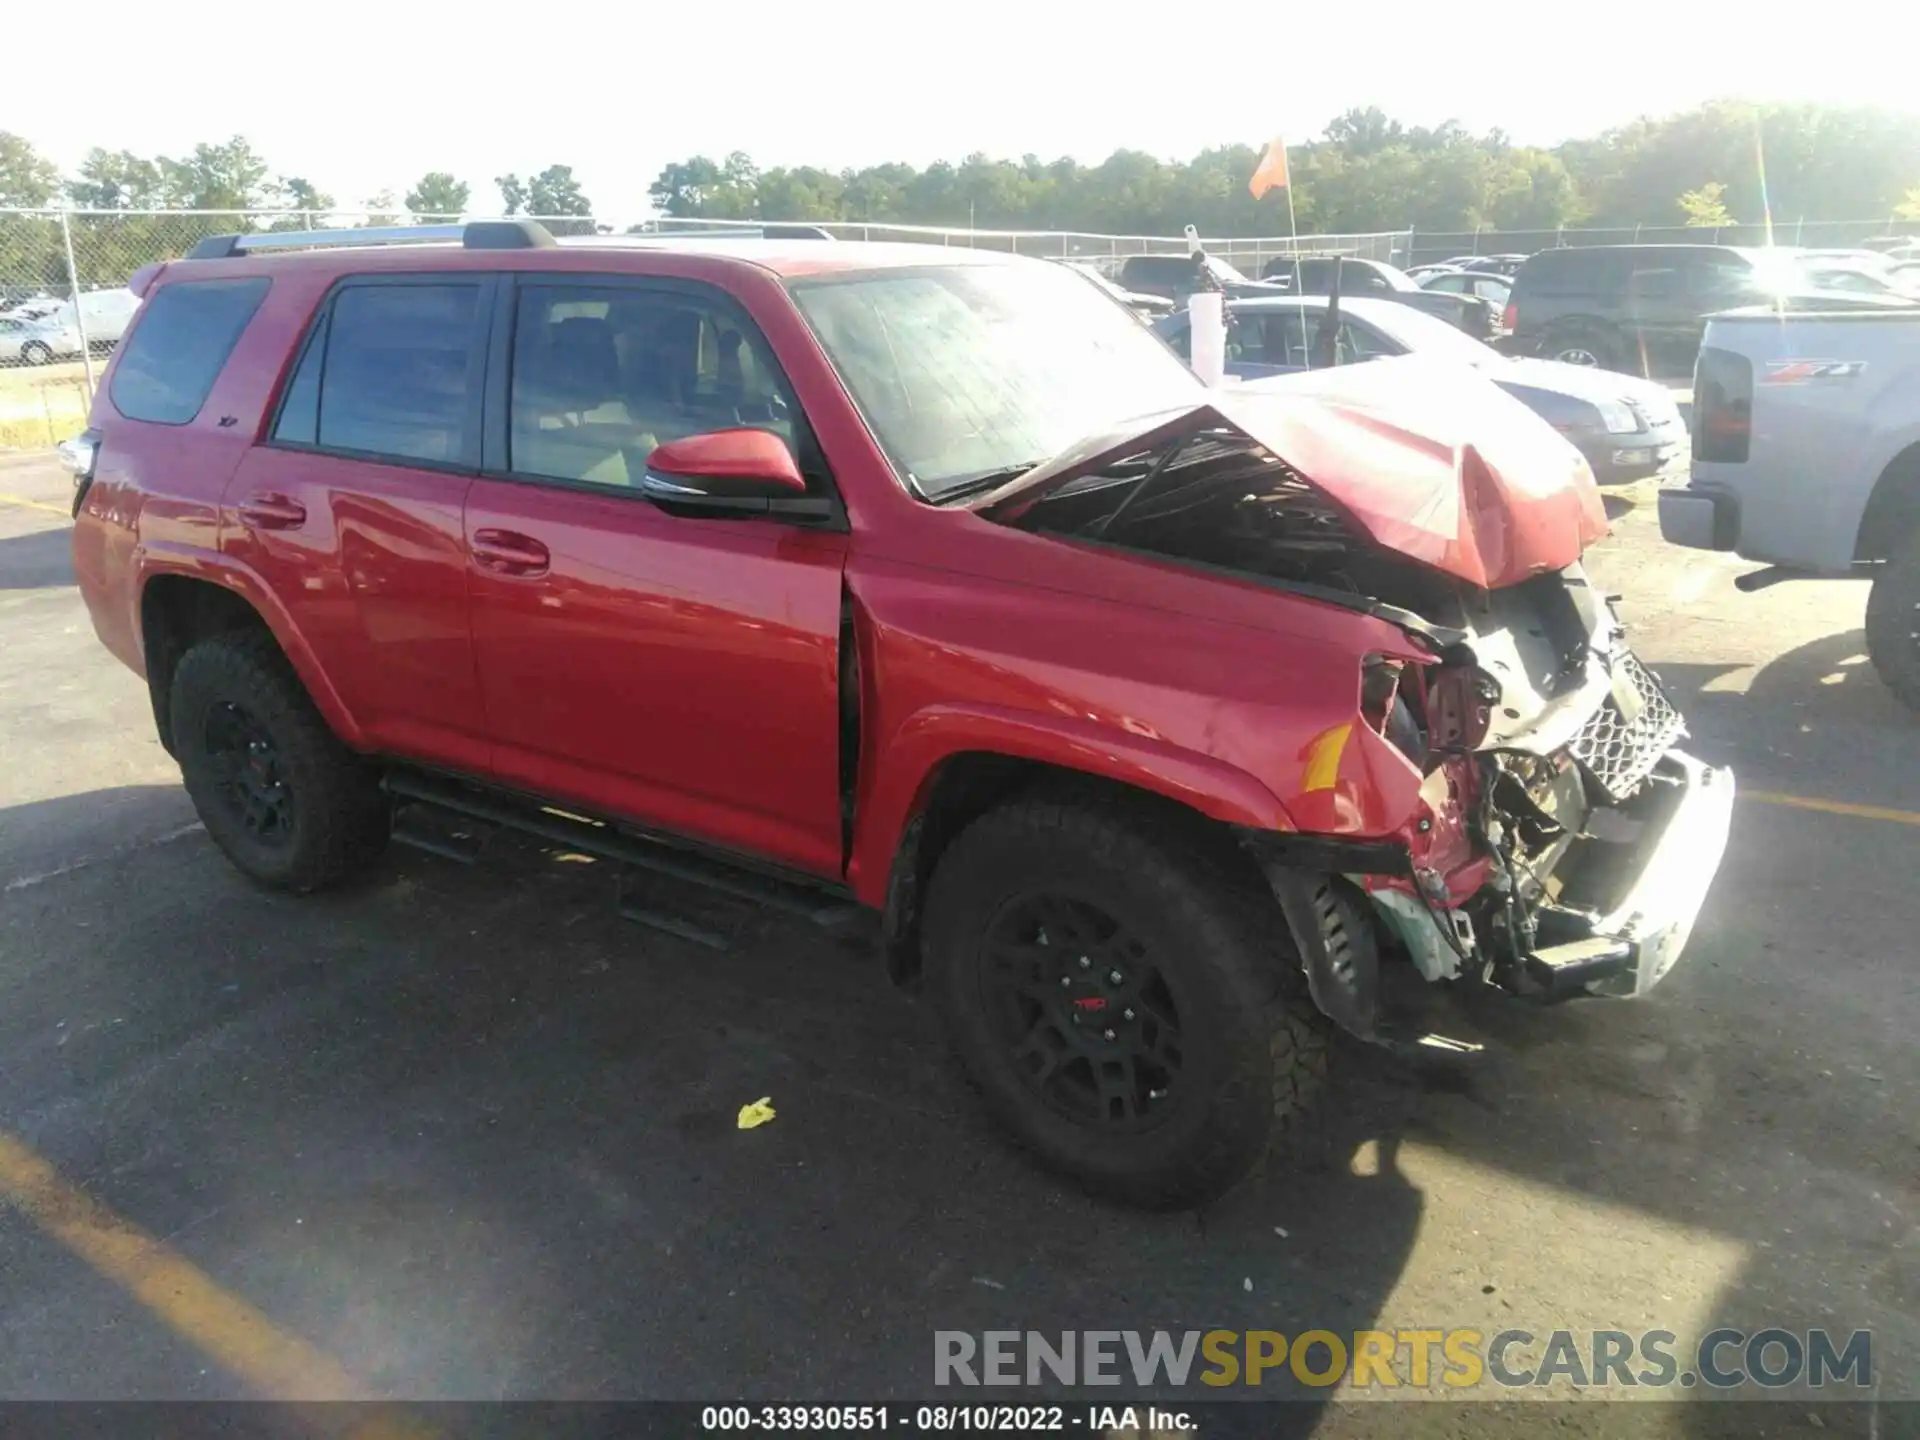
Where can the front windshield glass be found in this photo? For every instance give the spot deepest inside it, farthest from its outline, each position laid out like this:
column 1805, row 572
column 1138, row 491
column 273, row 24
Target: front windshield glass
column 966, row 372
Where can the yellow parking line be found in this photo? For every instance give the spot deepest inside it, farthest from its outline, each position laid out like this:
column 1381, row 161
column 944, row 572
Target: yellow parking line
column 60, row 510
column 1833, row 807
column 276, row 1364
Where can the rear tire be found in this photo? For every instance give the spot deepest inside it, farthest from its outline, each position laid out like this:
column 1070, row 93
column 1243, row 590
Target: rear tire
column 35, row 352
column 291, row 806
column 1132, row 1015
column 1893, row 623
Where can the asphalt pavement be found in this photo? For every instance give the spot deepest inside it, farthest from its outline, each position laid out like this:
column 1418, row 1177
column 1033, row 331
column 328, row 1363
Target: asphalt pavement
column 461, row 1132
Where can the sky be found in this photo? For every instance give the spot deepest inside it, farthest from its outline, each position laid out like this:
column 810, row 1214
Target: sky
column 361, row 97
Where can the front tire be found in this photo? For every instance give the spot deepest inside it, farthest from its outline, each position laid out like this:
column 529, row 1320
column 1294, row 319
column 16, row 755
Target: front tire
column 1893, row 623
column 290, row 805
column 34, row 352
column 1129, row 1012
column 1584, row 346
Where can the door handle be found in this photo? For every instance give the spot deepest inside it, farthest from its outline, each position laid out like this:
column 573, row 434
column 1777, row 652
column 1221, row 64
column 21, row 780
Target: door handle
column 506, row 552
column 266, row 510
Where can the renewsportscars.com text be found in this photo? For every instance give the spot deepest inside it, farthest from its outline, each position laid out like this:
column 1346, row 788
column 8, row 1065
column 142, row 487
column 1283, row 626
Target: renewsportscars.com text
column 1724, row 1359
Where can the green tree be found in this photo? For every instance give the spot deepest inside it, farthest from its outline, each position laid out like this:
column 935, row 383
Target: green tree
column 513, row 194
column 227, row 176
column 116, row 180
column 554, row 191
column 28, row 179
column 380, row 211
column 1707, row 206
column 437, row 196
column 311, row 203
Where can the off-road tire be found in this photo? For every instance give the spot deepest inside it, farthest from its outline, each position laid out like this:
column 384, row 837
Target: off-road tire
column 1893, row 617
column 340, row 818
column 1259, row 1048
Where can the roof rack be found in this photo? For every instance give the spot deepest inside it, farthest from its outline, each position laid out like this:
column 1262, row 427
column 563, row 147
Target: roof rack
column 474, row 235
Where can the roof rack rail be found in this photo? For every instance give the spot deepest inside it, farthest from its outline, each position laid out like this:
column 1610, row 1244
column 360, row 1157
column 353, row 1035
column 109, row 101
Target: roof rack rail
column 474, row 235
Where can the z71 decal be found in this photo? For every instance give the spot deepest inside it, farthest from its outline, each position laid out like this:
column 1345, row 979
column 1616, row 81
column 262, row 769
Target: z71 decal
column 1799, row 372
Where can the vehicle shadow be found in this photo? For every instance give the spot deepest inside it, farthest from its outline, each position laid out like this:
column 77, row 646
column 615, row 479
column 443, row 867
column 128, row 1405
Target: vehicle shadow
column 471, row 1133
column 41, row 560
column 44, row 838
column 1829, row 681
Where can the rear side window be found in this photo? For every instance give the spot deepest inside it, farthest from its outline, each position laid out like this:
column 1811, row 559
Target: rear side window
column 177, row 350
column 1573, row 271
column 390, row 371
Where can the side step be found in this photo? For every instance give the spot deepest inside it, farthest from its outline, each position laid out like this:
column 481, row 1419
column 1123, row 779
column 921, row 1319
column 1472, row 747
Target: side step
column 448, row 828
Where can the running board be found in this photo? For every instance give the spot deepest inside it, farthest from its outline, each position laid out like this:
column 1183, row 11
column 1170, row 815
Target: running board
column 605, row 841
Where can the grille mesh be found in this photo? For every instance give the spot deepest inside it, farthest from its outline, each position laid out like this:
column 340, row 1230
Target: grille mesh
column 1619, row 753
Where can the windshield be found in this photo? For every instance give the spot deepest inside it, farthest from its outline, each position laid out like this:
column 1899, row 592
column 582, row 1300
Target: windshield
column 967, row 372
column 1423, row 334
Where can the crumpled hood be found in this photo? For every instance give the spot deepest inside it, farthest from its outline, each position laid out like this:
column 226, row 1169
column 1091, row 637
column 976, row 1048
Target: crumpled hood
column 1429, row 459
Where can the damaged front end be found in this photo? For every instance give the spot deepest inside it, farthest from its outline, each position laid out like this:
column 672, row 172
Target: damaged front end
column 1561, row 842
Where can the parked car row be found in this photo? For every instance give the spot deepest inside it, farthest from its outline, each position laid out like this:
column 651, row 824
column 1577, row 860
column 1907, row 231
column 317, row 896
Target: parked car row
column 103, row 314
column 1175, row 277
column 1627, row 428
column 1643, row 308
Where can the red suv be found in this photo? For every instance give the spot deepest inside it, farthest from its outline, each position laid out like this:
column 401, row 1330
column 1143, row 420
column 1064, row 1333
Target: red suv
column 1160, row 725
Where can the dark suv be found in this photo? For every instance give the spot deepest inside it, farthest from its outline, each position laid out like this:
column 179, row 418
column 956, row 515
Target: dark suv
column 1643, row 308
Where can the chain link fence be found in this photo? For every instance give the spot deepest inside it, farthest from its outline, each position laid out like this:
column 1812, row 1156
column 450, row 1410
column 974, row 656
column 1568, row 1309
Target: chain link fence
column 64, row 301
column 1430, row 247
column 1245, row 253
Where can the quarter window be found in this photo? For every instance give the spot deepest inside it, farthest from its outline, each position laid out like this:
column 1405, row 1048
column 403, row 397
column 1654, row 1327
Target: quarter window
column 179, row 347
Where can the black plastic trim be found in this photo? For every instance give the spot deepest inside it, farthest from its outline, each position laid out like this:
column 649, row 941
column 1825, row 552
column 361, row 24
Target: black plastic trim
column 507, row 235
column 216, row 247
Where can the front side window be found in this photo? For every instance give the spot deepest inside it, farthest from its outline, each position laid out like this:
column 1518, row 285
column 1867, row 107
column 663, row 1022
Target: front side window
column 180, row 346
column 969, row 372
column 603, row 375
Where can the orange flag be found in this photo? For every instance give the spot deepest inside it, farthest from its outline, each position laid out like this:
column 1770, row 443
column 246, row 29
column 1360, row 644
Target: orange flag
column 1271, row 172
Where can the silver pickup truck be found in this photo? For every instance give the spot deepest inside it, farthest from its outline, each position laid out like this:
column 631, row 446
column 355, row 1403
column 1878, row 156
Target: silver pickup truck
column 1806, row 456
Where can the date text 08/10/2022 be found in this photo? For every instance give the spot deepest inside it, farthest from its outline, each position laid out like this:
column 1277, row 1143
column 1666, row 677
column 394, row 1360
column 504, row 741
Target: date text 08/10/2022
column 944, row 1419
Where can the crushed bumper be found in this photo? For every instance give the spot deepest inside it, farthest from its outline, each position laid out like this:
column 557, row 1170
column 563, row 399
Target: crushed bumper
column 1636, row 940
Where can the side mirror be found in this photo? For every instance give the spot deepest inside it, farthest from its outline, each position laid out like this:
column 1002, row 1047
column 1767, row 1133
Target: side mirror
column 729, row 472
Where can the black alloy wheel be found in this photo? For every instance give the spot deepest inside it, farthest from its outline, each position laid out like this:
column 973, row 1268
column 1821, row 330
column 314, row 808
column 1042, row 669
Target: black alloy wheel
column 1091, row 1021
column 248, row 774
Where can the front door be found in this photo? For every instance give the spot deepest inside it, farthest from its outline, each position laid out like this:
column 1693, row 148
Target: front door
column 351, row 510
column 680, row 671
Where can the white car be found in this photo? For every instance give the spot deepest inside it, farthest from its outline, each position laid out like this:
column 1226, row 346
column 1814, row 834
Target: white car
column 36, row 342
column 105, row 313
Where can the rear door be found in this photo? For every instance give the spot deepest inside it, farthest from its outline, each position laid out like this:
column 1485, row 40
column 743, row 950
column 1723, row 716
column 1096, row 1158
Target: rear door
column 351, row 509
column 681, row 670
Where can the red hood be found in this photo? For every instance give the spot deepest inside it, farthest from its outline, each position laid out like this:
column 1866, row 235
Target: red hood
column 1429, row 459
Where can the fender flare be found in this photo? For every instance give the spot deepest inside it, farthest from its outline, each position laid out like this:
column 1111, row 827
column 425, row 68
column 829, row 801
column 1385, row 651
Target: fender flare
column 1893, row 497
column 912, row 759
column 153, row 561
